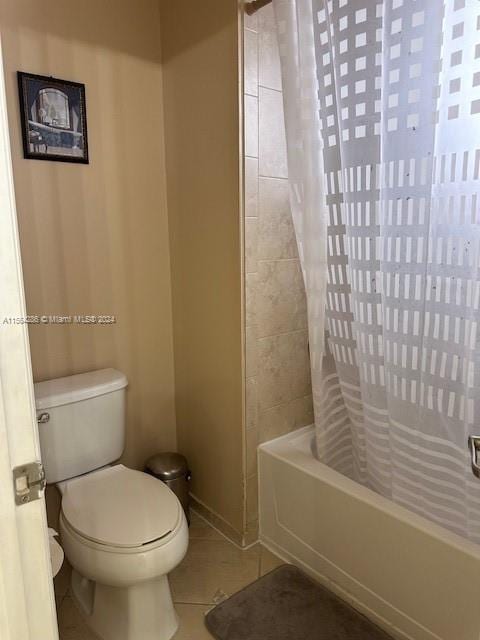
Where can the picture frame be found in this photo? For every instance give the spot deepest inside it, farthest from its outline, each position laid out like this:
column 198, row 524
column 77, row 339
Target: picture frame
column 53, row 117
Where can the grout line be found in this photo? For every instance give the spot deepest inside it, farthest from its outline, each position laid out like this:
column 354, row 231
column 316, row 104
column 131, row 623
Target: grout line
column 278, row 259
column 280, row 404
column 264, row 177
column 283, row 333
column 263, row 86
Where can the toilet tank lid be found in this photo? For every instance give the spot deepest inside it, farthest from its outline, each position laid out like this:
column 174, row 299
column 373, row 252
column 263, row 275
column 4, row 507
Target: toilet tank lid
column 60, row 391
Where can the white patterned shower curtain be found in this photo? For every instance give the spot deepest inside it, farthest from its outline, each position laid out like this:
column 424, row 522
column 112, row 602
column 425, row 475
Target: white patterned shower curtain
column 382, row 111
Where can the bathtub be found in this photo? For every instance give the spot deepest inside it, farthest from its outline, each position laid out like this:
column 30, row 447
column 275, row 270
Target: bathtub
column 412, row 577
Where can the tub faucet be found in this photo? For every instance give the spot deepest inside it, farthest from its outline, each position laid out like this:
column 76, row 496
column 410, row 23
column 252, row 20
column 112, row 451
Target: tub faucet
column 474, row 446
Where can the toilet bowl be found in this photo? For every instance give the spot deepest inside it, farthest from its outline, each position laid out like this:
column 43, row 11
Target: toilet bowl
column 123, row 531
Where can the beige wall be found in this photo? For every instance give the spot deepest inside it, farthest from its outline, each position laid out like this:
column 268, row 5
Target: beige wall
column 200, row 61
column 94, row 238
column 278, row 387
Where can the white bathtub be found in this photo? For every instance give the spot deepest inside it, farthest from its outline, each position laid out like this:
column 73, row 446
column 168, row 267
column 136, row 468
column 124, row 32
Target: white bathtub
column 412, row 577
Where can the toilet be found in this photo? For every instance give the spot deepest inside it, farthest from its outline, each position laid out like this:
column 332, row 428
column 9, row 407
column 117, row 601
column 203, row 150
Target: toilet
column 121, row 530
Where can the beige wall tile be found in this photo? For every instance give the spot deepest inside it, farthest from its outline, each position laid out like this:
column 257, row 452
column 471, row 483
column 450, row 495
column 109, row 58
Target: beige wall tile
column 251, row 451
column 251, row 126
column 277, row 365
column 252, row 498
column 250, row 351
column 276, row 235
column 251, row 402
column 251, row 245
column 284, row 418
column 283, row 366
column 281, row 302
column 269, row 58
column 272, row 145
column 250, row 52
column 251, row 305
column 251, row 187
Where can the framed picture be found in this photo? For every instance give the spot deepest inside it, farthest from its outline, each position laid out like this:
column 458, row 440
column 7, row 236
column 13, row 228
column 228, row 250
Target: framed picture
column 54, row 118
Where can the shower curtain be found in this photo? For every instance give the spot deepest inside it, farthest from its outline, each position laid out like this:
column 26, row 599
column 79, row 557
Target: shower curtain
column 382, row 113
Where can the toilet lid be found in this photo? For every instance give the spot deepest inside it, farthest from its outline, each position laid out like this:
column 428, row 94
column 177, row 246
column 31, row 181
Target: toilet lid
column 120, row 507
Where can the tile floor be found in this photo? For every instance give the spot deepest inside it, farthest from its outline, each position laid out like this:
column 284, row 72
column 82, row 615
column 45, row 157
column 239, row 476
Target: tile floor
column 212, row 569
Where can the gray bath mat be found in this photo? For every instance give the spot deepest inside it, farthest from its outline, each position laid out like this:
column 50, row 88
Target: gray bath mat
column 286, row 605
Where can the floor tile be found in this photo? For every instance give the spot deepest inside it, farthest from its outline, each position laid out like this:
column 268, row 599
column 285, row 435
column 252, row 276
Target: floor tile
column 210, row 567
column 268, row 561
column 70, row 622
column 213, row 569
column 201, row 530
column 61, row 582
column 192, row 625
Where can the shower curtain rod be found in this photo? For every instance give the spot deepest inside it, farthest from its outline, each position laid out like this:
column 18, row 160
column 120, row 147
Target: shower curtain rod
column 251, row 7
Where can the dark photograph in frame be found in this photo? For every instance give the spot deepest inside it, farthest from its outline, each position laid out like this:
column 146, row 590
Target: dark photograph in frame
column 54, row 118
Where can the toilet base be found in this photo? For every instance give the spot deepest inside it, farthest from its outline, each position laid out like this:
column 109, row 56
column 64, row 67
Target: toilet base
column 143, row 611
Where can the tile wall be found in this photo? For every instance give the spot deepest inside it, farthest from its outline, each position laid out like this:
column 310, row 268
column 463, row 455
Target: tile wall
column 278, row 387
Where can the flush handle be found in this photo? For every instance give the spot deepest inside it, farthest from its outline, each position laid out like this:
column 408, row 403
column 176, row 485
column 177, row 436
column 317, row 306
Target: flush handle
column 43, row 417
column 474, row 446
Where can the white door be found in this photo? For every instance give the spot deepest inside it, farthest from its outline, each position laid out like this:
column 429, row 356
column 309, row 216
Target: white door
column 27, row 604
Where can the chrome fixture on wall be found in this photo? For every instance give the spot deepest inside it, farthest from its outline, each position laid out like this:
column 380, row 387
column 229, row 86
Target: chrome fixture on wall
column 474, row 446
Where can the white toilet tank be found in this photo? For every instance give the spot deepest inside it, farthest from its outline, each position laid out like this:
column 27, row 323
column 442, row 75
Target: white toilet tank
column 81, row 422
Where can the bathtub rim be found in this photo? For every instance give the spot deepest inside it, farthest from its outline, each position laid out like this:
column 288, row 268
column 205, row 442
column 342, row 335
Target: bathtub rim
column 294, row 448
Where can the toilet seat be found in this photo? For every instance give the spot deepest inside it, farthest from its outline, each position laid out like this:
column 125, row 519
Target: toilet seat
column 120, row 508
